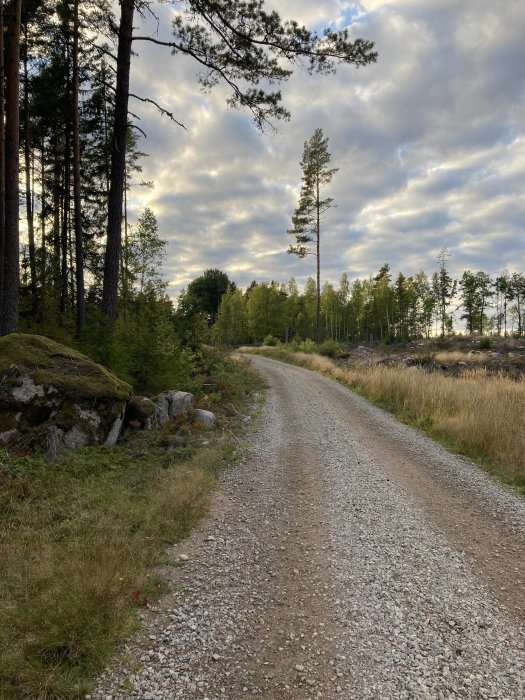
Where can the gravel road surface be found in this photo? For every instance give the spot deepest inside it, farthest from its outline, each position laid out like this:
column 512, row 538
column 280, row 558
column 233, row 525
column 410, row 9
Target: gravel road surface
column 346, row 556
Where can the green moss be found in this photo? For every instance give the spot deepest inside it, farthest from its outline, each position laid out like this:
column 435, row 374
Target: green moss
column 55, row 365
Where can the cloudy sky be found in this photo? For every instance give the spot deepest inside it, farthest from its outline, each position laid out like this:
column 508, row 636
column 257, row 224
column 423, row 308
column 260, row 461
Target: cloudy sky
column 429, row 142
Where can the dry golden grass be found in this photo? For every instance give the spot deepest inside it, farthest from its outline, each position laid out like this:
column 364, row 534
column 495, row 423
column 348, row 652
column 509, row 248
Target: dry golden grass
column 458, row 356
column 476, row 414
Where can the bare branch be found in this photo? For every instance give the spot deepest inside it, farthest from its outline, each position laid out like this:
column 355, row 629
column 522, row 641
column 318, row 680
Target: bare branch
column 134, row 126
column 161, row 109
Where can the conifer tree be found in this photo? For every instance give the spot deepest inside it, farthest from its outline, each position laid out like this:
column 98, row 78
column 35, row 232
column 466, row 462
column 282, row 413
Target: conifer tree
column 307, row 217
column 445, row 288
column 238, row 44
column 11, row 232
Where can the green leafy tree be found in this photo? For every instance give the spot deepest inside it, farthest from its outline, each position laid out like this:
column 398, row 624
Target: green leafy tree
column 517, row 289
column 231, row 325
column 331, row 311
column 476, row 289
column 424, row 305
column 306, row 317
column 204, row 294
column 293, row 308
column 306, row 221
column 266, row 311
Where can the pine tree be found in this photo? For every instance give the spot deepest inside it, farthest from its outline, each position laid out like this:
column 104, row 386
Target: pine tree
column 445, row 288
column 307, row 217
column 235, row 43
column 145, row 255
column 11, row 232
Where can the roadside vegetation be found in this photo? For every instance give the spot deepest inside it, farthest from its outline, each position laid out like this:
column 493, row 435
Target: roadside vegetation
column 81, row 536
column 475, row 413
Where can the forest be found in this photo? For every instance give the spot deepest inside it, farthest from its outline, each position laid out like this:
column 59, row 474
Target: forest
column 62, row 185
column 72, row 267
column 377, row 309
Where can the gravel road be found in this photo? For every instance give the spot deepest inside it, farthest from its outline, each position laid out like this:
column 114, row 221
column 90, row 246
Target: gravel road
column 346, row 556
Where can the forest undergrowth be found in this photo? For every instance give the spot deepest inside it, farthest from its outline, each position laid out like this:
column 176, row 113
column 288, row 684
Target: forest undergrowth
column 476, row 414
column 80, row 537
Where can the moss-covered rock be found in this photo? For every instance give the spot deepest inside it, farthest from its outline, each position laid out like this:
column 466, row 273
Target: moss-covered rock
column 47, row 389
column 52, row 365
column 139, row 410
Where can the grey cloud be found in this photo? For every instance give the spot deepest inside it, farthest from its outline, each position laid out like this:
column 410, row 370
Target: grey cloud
column 428, row 143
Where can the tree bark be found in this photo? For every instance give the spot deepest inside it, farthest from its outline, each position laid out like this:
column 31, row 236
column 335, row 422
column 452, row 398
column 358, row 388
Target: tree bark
column 66, row 211
column 118, row 163
column 79, row 248
column 10, row 300
column 318, row 257
column 27, row 164
column 2, row 159
column 43, row 249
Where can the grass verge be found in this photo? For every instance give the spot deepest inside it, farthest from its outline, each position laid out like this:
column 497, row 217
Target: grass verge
column 80, row 537
column 475, row 414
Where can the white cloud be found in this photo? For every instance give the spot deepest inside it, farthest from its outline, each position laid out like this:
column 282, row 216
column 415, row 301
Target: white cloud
column 429, row 143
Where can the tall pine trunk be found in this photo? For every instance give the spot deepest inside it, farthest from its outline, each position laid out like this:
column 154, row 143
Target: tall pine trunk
column 318, row 259
column 66, row 211
column 118, row 163
column 10, row 300
column 2, row 159
column 27, row 164
column 57, row 175
column 43, row 272
column 79, row 248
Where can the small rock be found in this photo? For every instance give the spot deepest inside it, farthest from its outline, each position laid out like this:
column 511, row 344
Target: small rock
column 204, row 418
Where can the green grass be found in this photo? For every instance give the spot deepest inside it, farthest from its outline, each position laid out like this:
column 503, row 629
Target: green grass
column 80, row 538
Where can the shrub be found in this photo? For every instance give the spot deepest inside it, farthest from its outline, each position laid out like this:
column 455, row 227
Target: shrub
column 270, row 340
column 330, row 348
column 484, row 344
column 308, row 346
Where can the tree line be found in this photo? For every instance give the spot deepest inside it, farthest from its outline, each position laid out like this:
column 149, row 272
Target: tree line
column 69, row 138
column 377, row 309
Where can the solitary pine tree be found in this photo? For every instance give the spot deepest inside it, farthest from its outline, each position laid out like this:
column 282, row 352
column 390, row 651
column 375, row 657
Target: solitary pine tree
column 235, row 42
column 307, row 217
column 445, row 288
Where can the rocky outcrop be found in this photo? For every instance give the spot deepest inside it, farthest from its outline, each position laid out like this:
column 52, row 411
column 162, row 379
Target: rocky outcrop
column 52, row 396
column 170, row 404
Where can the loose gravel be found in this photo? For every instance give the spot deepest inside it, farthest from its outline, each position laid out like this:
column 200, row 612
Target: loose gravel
column 320, row 575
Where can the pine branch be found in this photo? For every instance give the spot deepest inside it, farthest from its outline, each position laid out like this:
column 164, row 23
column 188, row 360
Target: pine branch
column 160, row 109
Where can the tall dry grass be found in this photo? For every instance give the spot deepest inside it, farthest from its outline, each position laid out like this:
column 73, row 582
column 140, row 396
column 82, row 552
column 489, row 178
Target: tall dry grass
column 457, row 356
column 476, row 414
